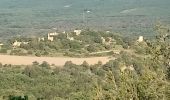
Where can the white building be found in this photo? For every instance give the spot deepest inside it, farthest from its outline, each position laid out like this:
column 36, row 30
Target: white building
column 107, row 31
column 140, row 39
column 51, row 36
column 41, row 39
column 78, row 32
column 18, row 44
column 103, row 39
column 1, row 44
column 70, row 38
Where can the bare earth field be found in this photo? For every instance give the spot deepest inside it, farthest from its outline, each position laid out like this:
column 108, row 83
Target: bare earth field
column 58, row 61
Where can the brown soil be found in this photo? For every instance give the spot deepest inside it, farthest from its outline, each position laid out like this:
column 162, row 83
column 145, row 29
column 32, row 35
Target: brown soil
column 58, row 61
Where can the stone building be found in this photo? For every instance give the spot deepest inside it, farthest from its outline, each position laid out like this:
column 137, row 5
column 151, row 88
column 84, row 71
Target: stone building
column 18, row 44
column 140, row 39
column 70, row 38
column 51, row 36
column 78, row 32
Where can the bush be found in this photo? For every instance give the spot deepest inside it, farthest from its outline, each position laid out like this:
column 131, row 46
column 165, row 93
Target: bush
column 3, row 50
column 92, row 48
column 45, row 65
column 75, row 45
column 46, row 53
column 98, row 40
column 38, row 54
column 1, row 65
column 30, row 52
column 35, row 63
column 85, row 64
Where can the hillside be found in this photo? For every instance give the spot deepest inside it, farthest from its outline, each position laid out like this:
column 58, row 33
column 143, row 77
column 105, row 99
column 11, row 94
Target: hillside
column 84, row 50
column 38, row 17
column 140, row 75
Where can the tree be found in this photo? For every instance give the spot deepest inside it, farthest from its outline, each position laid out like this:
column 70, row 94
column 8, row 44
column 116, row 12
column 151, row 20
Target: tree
column 85, row 64
column 110, row 89
column 1, row 65
column 38, row 54
column 160, row 48
column 35, row 63
column 98, row 39
column 75, row 45
column 151, row 86
column 45, row 65
column 92, row 48
column 28, row 71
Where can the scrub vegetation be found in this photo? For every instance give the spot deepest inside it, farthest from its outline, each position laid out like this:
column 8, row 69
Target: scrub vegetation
column 130, row 76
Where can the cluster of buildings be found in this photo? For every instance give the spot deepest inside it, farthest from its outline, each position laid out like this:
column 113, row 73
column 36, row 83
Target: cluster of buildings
column 50, row 37
column 18, row 44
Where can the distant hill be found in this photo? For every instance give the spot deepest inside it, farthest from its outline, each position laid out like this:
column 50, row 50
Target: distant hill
column 40, row 16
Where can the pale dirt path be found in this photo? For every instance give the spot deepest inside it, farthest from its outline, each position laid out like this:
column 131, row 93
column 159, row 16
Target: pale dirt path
column 101, row 52
column 59, row 61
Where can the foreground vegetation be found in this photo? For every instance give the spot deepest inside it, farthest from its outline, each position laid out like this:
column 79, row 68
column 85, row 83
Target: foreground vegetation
column 129, row 77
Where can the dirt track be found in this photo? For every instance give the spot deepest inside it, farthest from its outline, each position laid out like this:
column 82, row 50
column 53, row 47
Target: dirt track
column 59, row 61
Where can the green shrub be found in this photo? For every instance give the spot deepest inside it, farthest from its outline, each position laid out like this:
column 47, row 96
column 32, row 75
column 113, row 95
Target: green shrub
column 38, row 54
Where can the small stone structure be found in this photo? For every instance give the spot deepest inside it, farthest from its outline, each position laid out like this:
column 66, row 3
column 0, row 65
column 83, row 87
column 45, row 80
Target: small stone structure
column 70, row 38
column 18, row 44
column 51, row 36
column 140, row 39
column 78, row 32
column 103, row 39
column 1, row 44
column 41, row 39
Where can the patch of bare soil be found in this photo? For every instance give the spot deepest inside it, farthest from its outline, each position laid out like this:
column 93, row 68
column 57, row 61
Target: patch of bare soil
column 58, row 61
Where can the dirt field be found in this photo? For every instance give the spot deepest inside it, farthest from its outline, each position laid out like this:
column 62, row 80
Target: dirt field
column 59, row 61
